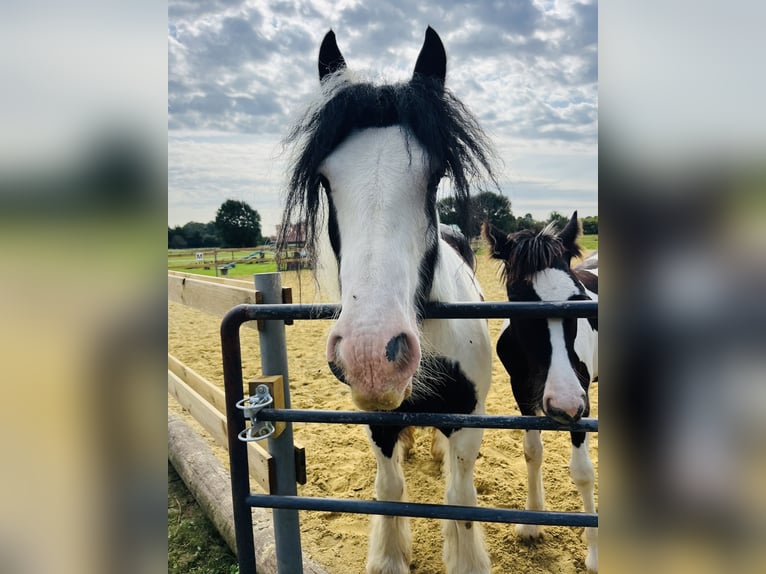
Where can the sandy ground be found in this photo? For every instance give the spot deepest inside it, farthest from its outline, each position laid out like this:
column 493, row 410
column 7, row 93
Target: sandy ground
column 340, row 463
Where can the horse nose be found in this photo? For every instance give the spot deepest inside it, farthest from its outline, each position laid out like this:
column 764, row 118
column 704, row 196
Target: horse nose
column 565, row 412
column 378, row 367
column 399, row 354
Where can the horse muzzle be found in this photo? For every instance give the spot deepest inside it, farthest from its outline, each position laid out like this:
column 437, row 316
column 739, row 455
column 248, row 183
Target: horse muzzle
column 565, row 410
column 378, row 369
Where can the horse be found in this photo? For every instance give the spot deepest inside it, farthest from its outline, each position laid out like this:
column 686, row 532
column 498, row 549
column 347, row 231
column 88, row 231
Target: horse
column 366, row 162
column 551, row 361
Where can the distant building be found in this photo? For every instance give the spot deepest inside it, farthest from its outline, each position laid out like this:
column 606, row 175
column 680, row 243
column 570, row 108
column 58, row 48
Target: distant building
column 296, row 233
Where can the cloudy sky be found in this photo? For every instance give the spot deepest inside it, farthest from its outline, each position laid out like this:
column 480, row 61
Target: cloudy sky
column 238, row 71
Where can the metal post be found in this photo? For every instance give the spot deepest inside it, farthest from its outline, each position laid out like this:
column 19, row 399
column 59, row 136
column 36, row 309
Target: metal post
column 274, row 362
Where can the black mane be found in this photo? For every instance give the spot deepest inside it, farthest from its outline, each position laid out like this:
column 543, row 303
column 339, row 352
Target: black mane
column 449, row 134
column 532, row 252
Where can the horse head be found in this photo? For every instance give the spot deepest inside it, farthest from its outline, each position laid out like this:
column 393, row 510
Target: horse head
column 556, row 356
column 364, row 181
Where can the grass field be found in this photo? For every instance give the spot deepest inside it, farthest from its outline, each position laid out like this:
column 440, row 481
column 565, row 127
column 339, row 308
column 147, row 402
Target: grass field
column 185, row 260
column 194, row 545
column 589, row 241
column 241, row 270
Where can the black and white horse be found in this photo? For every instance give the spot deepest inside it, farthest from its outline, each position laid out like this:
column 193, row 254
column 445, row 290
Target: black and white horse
column 367, row 162
column 551, row 361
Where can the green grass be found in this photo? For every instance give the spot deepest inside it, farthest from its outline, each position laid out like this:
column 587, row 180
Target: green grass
column 241, row 270
column 177, row 259
column 588, row 241
column 194, row 545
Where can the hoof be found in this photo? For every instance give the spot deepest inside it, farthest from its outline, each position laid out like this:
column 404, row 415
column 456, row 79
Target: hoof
column 529, row 532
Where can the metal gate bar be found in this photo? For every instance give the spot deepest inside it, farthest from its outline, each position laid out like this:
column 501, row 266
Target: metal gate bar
column 483, row 310
column 424, row 420
column 421, row 510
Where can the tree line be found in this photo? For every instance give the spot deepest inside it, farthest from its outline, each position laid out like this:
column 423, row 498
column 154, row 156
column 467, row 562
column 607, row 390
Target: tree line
column 496, row 209
column 237, row 224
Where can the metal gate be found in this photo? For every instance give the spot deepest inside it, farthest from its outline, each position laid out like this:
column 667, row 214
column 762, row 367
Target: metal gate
column 271, row 316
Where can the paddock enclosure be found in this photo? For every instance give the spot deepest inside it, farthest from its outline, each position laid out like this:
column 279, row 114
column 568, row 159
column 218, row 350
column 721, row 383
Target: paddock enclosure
column 339, row 462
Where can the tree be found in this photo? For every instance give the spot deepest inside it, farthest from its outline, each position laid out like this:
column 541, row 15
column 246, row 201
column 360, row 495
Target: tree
column 210, row 236
column 486, row 206
column 590, row 225
column 528, row 222
column 491, row 207
column 559, row 220
column 177, row 241
column 238, row 224
column 193, row 233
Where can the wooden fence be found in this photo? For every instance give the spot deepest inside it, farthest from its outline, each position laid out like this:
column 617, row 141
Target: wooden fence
column 203, row 400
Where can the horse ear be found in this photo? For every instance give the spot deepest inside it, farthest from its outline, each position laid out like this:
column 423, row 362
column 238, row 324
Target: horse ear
column 330, row 58
column 432, row 60
column 569, row 235
column 499, row 243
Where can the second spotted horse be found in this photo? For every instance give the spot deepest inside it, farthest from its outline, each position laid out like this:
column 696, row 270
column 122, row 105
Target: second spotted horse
column 551, row 361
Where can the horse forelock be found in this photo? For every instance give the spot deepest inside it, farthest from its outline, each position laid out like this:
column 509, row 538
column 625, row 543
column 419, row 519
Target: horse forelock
column 444, row 128
column 531, row 253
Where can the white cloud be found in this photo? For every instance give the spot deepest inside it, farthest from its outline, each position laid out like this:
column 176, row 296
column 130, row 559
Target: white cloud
column 207, row 168
column 527, row 69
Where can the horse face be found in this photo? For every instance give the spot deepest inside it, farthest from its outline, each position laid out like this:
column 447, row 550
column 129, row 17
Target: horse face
column 381, row 217
column 383, row 230
column 558, row 344
column 559, row 352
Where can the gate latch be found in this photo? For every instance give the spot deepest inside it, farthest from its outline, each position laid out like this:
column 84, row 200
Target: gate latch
column 252, row 405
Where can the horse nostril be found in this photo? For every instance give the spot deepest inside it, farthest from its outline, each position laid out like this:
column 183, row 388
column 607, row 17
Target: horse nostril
column 578, row 416
column 396, row 348
column 332, row 347
column 558, row 415
column 338, row 372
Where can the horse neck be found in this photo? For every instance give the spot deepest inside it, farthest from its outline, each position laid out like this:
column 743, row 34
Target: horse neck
column 454, row 280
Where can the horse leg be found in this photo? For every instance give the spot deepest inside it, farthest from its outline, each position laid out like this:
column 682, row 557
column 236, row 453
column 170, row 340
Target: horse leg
column 464, row 551
column 407, row 441
column 581, row 470
column 390, row 545
column 439, row 445
column 525, row 392
column 533, row 453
